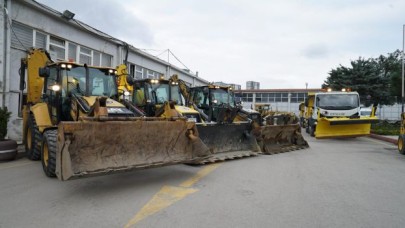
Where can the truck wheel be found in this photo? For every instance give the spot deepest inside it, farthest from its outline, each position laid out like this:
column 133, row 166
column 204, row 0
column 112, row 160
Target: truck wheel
column 32, row 140
column 307, row 129
column 401, row 144
column 48, row 153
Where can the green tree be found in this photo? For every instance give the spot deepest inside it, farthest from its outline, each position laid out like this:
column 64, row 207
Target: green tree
column 378, row 79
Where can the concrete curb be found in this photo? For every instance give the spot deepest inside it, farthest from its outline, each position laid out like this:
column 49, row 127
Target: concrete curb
column 383, row 138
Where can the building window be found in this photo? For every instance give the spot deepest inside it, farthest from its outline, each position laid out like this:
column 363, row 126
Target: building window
column 57, row 48
column 85, row 56
column 72, row 50
column 138, row 72
column 22, row 36
column 153, row 74
column 25, row 37
column 247, row 97
column 150, row 74
column 40, row 40
column 96, row 58
column 131, row 70
column 106, row 60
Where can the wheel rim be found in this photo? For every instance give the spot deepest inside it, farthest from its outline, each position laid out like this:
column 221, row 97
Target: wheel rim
column 29, row 139
column 45, row 154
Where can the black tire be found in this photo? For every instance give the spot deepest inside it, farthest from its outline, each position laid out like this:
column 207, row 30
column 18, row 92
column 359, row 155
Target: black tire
column 32, row 140
column 48, row 152
column 8, row 150
column 401, row 144
column 307, row 129
column 312, row 129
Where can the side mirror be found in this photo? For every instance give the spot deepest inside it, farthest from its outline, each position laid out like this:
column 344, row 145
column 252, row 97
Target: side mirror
column 44, row 72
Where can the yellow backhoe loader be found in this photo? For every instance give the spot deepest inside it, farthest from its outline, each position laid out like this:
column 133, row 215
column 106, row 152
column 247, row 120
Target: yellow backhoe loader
column 74, row 124
column 218, row 104
column 221, row 130
column 336, row 114
column 169, row 98
column 276, row 117
column 281, row 131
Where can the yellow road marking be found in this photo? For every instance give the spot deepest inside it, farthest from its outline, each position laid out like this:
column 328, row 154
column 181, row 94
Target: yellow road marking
column 202, row 173
column 169, row 195
column 15, row 165
column 164, row 198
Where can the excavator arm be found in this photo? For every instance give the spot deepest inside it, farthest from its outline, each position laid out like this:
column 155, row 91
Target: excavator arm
column 184, row 89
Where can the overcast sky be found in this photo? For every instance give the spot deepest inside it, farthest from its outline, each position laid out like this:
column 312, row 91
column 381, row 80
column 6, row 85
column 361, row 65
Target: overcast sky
column 281, row 44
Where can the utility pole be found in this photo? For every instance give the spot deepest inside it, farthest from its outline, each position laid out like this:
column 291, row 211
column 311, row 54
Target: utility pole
column 403, row 47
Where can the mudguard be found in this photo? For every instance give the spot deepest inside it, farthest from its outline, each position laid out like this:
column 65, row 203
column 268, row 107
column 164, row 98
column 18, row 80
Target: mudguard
column 99, row 147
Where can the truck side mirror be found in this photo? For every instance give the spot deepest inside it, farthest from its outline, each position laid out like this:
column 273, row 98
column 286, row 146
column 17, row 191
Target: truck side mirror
column 44, row 72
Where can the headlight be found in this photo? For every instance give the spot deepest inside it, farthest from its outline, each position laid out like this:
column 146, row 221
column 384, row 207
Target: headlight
column 64, row 66
column 215, row 101
column 55, row 87
column 126, row 93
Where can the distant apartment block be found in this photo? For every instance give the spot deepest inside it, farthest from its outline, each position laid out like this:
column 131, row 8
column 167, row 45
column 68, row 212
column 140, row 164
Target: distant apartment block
column 252, row 85
column 233, row 86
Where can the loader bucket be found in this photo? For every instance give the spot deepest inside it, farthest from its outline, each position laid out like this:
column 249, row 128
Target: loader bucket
column 90, row 148
column 281, row 138
column 228, row 141
column 344, row 127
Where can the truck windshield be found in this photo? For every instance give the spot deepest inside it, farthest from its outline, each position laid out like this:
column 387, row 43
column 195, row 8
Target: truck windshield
column 175, row 94
column 337, row 101
column 158, row 93
column 100, row 83
column 222, row 97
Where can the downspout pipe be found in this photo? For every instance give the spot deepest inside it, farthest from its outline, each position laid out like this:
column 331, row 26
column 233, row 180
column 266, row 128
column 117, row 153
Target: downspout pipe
column 5, row 57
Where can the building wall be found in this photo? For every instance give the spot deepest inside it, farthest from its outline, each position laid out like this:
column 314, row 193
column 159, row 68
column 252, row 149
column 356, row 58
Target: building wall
column 42, row 27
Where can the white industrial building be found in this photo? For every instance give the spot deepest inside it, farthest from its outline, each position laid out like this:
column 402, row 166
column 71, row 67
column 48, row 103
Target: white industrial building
column 284, row 100
column 26, row 23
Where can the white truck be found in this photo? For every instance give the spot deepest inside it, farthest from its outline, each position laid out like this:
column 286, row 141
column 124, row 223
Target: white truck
column 337, row 114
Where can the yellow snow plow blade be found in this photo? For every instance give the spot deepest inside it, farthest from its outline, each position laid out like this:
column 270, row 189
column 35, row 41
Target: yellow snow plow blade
column 228, row 141
column 100, row 146
column 344, row 127
column 282, row 138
